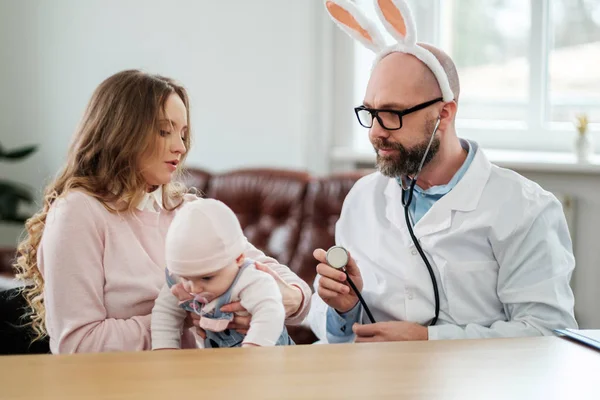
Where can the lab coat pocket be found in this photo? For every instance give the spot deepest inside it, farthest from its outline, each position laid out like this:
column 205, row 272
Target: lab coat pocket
column 471, row 289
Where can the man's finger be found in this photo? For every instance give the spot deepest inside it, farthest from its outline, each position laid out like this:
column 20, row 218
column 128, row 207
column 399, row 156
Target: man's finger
column 366, row 330
column 233, row 307
column 369, row 339
column 320, row 255
column 351, row 267
column 331, row 273
column 334, row 286
column 326, row 294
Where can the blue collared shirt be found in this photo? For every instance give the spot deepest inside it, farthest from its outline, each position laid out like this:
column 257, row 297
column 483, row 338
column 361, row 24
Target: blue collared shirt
column 423, row 200
column 339, row 326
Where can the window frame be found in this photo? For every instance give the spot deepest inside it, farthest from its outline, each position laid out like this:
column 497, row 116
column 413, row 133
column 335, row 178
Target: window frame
column 536, row 132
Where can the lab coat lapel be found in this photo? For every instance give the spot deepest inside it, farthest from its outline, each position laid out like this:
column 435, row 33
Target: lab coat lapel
column 463, row 197
column 394, row 211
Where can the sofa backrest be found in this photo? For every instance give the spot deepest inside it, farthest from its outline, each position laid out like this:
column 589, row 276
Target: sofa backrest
column 286, row 214
column 322, row 207
column 268, row 204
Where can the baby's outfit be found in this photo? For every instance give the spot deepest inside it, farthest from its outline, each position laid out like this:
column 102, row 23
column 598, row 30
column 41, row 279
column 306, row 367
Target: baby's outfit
column 204, row 237
column 215, row 322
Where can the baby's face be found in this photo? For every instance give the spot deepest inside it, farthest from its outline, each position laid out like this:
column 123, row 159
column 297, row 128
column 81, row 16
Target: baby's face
column 210, row 286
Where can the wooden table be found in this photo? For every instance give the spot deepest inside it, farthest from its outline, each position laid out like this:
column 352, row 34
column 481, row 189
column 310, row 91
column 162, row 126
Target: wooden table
column 527, row 368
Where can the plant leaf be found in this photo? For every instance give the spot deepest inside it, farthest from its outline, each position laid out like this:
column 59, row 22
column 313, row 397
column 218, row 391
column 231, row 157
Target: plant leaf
column 17, row 219
column 16, row 191
column 18, row 153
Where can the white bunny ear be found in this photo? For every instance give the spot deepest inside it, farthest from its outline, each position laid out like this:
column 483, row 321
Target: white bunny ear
column 355, row 23
column 398, row 20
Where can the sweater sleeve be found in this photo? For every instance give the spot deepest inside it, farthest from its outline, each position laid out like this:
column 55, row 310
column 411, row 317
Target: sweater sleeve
column 71, row 262
column 288, row 276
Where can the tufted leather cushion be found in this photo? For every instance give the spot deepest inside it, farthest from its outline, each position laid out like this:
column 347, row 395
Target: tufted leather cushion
column 322, row 208
column 268, row 203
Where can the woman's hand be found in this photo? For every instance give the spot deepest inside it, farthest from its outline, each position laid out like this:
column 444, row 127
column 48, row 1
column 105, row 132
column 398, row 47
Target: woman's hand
column 292, row 295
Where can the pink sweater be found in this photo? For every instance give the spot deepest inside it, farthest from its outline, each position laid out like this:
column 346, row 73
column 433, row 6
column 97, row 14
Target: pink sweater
column 103, row 271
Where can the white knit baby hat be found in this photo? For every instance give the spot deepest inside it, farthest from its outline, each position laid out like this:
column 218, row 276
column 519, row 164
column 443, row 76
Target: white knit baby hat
column 398, row 21
column 205, row 236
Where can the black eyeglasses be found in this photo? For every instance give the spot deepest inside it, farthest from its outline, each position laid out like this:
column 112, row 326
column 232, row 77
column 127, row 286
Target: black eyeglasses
column 390, row 120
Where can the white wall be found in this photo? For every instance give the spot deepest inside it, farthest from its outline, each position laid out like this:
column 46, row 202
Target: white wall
column 254, row 71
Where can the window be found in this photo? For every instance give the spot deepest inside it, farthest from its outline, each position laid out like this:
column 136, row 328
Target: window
column 526, row 67
column 574, row 72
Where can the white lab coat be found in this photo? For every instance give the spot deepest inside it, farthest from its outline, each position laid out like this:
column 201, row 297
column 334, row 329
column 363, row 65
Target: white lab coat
column 498, row 244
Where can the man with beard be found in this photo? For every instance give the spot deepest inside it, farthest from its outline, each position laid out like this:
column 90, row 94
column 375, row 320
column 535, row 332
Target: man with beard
column 495, row 245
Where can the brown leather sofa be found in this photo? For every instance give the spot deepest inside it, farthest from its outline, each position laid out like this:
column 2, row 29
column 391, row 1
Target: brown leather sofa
column 286, row 214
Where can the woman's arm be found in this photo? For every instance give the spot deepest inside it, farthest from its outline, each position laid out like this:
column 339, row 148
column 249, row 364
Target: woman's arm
column 71, row 261
column 299, row 312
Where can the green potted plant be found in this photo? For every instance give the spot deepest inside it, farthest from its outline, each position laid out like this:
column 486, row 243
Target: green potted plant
column 13, row 193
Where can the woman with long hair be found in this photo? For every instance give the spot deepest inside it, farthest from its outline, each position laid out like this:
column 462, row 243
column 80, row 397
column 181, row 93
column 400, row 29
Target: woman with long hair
column 93, row 256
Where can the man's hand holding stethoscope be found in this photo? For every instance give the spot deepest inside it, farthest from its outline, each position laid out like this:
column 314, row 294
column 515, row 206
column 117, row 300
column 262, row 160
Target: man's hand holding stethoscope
column 333, row 286
column 340, row 284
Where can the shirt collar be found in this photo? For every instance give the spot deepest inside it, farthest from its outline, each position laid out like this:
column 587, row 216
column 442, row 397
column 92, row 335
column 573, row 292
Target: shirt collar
column 151, row 201
column 444, row 189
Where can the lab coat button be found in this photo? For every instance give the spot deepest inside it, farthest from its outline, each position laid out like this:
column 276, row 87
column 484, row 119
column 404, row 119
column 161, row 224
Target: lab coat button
column 410, row 296
column 414, row 252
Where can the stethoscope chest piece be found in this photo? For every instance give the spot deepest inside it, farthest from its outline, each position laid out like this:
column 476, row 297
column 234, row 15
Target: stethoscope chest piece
column 337, row 257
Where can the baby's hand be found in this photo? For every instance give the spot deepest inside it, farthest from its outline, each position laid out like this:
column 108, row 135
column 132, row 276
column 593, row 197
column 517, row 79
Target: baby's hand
column 182, row 295
column 191, row 319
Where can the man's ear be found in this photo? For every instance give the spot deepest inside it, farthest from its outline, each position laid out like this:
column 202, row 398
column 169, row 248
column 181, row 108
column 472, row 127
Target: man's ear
column 447, row 115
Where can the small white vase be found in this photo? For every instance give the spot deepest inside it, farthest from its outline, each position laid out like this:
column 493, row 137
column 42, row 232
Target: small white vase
column 584, row 148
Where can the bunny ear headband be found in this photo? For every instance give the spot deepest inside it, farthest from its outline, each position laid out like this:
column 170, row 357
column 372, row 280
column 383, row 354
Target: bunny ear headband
column 398, row 21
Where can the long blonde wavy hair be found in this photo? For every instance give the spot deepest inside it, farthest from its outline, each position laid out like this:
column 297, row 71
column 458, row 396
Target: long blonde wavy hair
column 118, row 128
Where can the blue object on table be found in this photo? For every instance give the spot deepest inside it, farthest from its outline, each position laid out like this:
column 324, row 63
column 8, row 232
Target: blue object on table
column 589, row 337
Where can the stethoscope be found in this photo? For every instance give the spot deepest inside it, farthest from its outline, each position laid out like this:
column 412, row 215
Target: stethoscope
column 337, row 256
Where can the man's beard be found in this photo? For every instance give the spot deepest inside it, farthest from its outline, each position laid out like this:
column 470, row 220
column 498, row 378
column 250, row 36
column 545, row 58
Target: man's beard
column 407, row 161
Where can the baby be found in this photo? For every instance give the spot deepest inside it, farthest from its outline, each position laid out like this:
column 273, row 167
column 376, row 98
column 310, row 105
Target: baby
column 204, row 251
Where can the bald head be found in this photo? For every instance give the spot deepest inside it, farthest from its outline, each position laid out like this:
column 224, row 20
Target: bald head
column 405, row 74
column 448, row 66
